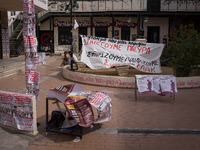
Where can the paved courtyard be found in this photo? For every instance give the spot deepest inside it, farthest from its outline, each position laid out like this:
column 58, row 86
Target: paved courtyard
column 150, row 123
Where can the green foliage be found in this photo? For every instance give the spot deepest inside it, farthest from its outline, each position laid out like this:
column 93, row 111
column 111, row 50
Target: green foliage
column 183, row 51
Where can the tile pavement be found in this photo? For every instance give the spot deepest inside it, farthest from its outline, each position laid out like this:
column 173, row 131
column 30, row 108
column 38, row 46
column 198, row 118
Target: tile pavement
column 148, row 112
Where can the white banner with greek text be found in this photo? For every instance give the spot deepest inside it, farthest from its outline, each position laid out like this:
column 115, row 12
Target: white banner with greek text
column 98, row 52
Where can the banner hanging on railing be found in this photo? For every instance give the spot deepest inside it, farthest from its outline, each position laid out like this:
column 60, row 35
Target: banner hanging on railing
column 100, row 52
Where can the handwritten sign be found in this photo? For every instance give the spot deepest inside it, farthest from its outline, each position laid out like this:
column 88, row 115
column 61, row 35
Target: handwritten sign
column 100, row 52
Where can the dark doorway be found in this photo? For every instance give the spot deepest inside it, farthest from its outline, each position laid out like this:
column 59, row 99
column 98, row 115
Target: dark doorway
column 153, row 34
column 82, row 31
column 125, row 33
column 101, row 32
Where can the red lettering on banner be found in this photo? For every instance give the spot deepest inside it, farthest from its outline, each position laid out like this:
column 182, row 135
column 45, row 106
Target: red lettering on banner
column 117, row 47
column 152, row 69
column 103, row 44
column 139, row 50
column 106, row 45
column 106, row 62
column 146, row 69
column 85, row 42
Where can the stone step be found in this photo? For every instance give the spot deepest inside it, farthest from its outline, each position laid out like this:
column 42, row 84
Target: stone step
column 10, row 69
column 10, row 72
column 11, row 66
column 16, row 67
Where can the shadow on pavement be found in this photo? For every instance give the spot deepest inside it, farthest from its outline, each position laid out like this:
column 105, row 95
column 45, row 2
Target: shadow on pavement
column 62, row 137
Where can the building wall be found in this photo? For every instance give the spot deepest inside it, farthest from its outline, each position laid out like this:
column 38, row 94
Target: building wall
column 98, row 6
column 5, row 49
column 162, row 22
column 125, row 5
column 180, row 6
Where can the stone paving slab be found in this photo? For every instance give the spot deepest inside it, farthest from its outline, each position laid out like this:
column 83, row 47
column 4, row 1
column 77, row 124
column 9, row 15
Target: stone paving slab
column 148, row 112
column 118, row 142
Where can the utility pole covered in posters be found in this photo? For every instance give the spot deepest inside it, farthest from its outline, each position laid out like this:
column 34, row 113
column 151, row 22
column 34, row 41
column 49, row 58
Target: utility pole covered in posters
column 30, row 44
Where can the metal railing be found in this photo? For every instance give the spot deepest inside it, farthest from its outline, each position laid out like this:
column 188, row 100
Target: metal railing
column 13, row 22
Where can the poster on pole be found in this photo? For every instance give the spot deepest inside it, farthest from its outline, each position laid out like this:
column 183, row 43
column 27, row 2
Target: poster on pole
column 98, row 52
column 32, row 59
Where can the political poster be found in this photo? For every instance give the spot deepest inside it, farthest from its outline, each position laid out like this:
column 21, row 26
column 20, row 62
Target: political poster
column 62, row 92
column 32, row 59
column 79, row 102
column 16, row 109
column 102, row 102
column 160, row 84
column 98, row 52
column 32, row 82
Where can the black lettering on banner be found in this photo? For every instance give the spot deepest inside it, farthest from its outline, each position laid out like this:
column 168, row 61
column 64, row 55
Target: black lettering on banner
column 88, row 54
column 102, row 39
column 152, row 63
column 106, row 55
column 121, row 59
column 112, row 41
column 101, row 55
column 121, row 42
column 136, row 43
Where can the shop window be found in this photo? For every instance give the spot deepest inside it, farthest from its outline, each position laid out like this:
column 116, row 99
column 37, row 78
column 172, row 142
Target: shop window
column 125, row 33
column 64, row 36
column 153, row 5
column 153, row 34
column 101, row 32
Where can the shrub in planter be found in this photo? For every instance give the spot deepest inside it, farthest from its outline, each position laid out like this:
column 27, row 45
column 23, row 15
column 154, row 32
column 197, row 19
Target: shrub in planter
column 183, row 51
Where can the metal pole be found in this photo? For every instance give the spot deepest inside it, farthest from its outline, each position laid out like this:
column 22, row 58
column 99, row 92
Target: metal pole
column 91, row 25
column 50, row 36
column 138, row 26
column 113, row 27
column 71, row 47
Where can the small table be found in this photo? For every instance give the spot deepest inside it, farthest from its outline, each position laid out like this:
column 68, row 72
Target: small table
column 160, row 84
column 71, row 132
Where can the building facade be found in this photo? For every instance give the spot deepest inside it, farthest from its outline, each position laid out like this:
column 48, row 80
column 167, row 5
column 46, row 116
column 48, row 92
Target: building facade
column 119, row 19
column 8, row 13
